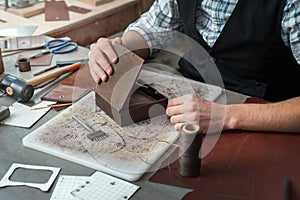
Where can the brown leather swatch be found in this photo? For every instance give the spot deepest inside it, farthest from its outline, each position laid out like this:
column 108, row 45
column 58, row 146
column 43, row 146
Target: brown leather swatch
column 78, row 9
column 73, row 87
column 44, row 60
column 56, row 11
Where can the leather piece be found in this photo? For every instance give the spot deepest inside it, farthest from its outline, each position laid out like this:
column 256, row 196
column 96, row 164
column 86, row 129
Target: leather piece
column 65, row 93
column 73, row 87
column 78, row 9
column 243, row 165
column 19, row 43
column 56, row 11
column 44, row 60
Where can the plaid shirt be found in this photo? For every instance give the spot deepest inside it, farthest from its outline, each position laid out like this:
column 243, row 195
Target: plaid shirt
column 211, row 17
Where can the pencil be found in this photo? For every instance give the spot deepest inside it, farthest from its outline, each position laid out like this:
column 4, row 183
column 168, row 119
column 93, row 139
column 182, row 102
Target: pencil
column 52, row 106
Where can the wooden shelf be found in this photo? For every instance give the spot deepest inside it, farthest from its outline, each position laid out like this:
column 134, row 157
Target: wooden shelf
column 28, row 11
column 103, row 20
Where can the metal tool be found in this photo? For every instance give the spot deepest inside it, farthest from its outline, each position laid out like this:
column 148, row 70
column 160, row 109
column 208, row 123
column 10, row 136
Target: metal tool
column 94, row 135
column 60, row 64
column 43, row 52
column 44, row 70
column 57, row 46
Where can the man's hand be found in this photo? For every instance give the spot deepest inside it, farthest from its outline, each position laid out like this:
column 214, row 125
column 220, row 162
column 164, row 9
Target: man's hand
column 196, row 110
column 101, row 56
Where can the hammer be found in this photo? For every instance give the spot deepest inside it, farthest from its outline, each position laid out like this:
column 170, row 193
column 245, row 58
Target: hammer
column 23, row 90
column 14, row 86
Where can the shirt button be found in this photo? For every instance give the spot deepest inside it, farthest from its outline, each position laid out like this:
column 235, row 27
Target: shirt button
column 215, row 28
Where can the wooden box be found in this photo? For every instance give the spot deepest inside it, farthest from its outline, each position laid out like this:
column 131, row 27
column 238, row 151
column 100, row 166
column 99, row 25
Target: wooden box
column 124, row 100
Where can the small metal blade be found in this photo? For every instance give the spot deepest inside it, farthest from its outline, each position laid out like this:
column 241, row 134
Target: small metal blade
column 19, row 31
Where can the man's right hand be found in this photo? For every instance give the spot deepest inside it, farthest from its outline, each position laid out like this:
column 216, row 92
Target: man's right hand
column 101, row 56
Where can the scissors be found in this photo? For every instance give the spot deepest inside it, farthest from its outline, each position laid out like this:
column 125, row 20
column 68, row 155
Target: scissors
column 57, row 46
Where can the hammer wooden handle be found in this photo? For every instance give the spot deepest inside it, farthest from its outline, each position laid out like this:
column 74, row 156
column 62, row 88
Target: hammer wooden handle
column 54, row 74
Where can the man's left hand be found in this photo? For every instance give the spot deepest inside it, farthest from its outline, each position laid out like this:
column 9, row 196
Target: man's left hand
column 196, row 110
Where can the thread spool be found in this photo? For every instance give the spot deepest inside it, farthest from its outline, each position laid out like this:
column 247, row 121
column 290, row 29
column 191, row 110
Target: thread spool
column 190, row 144
column 24, row 65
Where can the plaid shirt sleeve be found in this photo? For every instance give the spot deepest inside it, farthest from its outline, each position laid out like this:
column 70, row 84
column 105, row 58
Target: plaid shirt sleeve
column 158, row 24
column 291, row 27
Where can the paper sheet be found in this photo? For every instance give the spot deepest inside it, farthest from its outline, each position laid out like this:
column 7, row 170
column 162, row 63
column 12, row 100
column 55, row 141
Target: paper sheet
column 5, row 181
column 65, row 185
column 103, row 186
column 22, row 115
column 98, row 186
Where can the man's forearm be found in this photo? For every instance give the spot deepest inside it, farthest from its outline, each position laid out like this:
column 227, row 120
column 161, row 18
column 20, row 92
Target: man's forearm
column 282, row 116
column 136, row 43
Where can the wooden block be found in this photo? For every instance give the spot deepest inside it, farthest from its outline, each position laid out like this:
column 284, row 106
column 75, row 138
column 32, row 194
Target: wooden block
column 95, row 2
column 29, row 11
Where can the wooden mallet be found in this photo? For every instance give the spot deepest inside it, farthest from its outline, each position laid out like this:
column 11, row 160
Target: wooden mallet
column 54, row 74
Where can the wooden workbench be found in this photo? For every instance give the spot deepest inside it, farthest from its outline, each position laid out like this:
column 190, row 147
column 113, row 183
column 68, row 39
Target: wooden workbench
column 102, row 21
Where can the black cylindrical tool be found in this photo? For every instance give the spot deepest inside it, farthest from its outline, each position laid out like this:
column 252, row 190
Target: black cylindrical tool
column 190, row 145
column 24, row 65
column 16, row 87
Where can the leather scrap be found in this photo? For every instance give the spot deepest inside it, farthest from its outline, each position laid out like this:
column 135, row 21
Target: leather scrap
column 73, row 87
column 78, row 9
column 44, row 60
column 56, row 11
column 65, row 93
